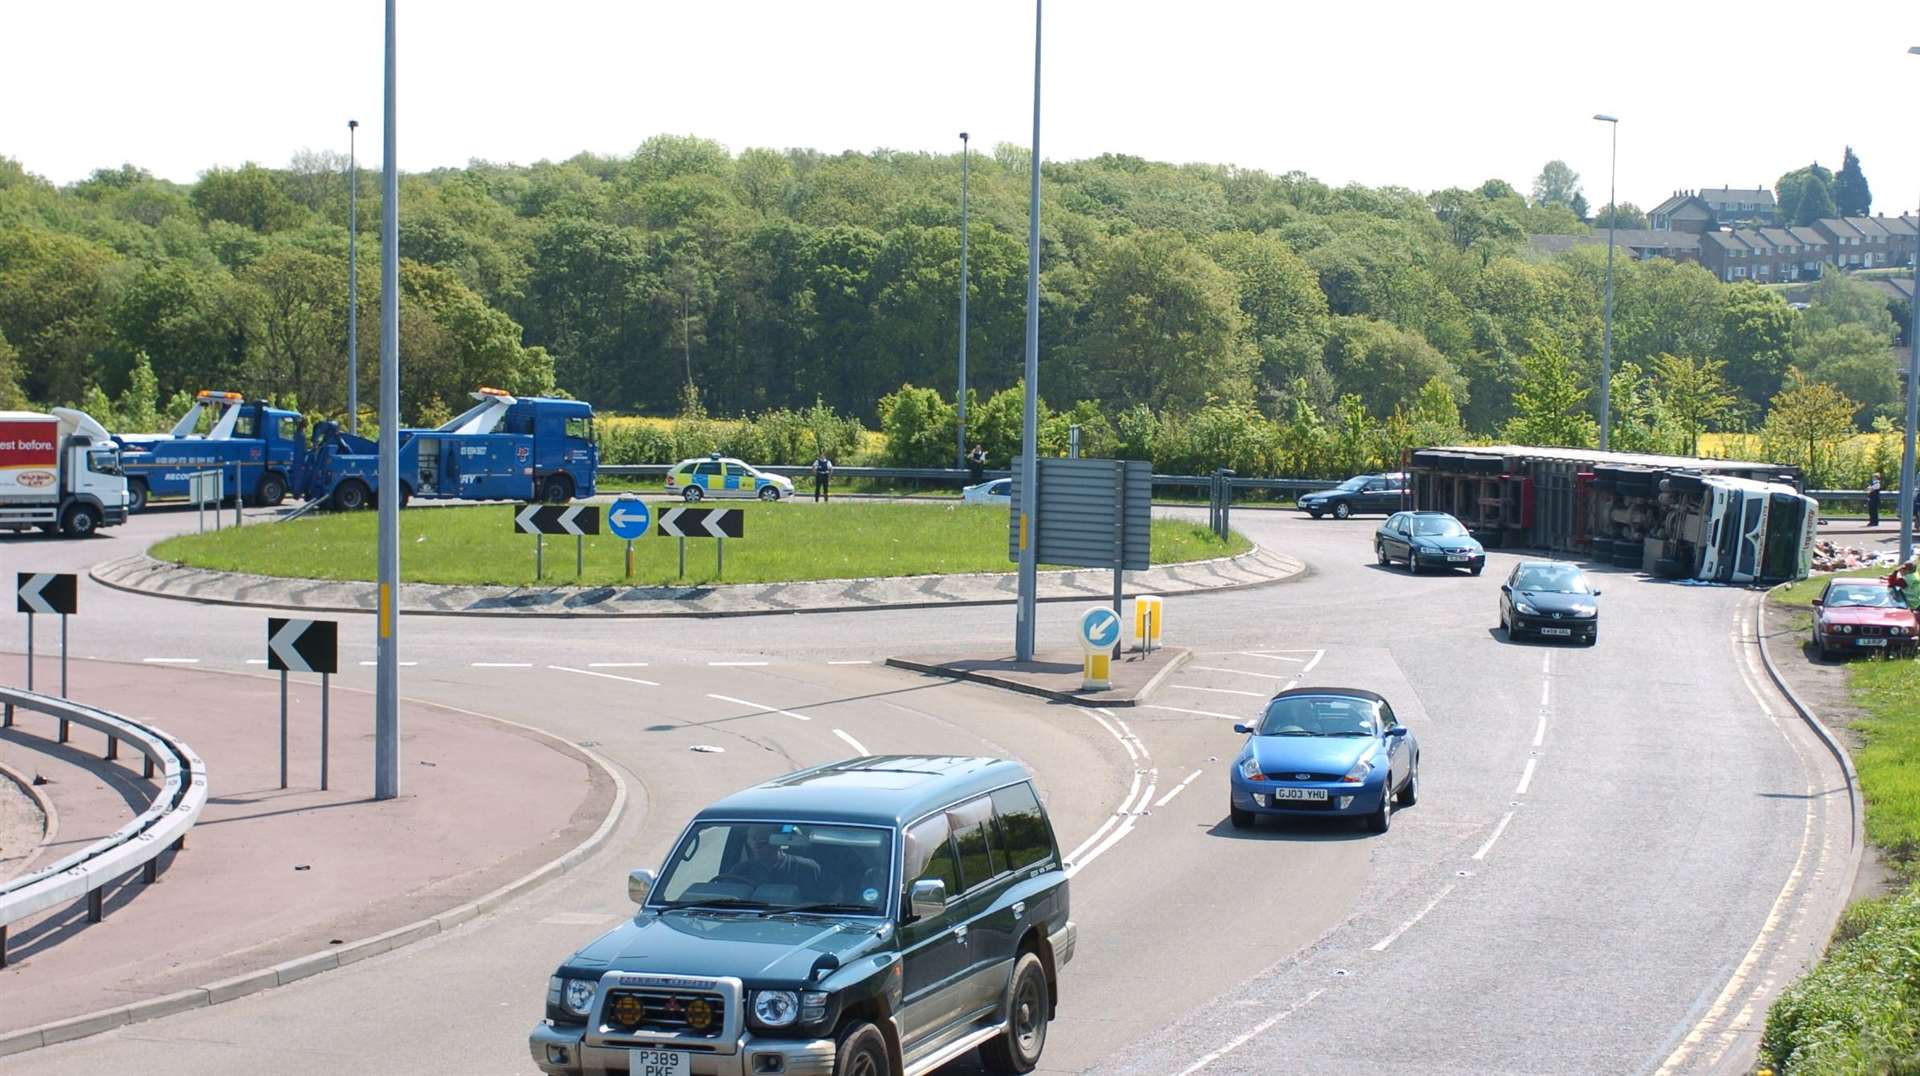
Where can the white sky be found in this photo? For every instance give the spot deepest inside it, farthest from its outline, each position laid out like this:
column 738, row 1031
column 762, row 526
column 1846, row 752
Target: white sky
column 1418, row 94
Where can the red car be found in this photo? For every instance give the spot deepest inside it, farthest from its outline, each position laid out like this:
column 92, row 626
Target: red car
column 1856, row 615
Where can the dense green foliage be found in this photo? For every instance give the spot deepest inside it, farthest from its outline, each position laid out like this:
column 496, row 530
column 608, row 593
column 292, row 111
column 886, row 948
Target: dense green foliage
column 1178, row 303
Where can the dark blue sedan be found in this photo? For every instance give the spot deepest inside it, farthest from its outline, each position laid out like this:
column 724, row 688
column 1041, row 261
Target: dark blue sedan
column 1427, row 540
column 1325, row 751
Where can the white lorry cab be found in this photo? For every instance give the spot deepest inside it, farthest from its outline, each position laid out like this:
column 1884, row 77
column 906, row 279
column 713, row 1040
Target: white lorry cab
column 60, row 472
column 1754, row 530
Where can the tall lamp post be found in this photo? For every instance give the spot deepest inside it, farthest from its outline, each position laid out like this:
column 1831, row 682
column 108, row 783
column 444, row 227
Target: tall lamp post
column 386, row 701
column 960, row 398
column 1029, row 435
column 1606, row 332
column 353, row 282
column 1913, row 407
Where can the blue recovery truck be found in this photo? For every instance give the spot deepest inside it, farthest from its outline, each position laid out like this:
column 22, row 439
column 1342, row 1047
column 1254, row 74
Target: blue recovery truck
column 256, row 448
column 503, row 448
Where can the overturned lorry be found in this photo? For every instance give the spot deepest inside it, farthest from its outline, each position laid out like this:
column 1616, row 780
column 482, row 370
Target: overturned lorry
column 1724, row 521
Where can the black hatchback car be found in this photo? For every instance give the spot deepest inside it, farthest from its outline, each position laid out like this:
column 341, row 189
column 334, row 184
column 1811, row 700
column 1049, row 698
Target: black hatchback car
column 1551, row 600
column 874, row 916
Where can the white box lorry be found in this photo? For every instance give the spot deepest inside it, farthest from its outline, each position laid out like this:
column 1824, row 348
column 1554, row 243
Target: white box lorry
column 60, row 472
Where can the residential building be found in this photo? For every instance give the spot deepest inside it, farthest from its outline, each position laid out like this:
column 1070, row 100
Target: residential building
column 1684, row 212
column 1734, row 207
column 1763, row 255
column 1852, row 241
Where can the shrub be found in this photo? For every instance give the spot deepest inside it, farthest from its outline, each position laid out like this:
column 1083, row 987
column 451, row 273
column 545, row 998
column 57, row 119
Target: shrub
column 1859, row 1009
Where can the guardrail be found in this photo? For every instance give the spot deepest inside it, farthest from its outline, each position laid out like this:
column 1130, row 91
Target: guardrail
column 137, row 845
column 961, row 477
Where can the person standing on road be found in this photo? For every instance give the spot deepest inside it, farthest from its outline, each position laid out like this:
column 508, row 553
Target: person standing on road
column 976, row 464
column 822, row 473
column 1873, row 501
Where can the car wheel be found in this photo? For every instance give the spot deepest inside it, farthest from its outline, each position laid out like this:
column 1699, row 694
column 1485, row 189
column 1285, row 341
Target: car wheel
column 692, row 494
column 1413, row 562
column 769, row 493
column 1315, row 512
column 350, row 496
column 1380, row 551
column 1476, row 569
column 1410, row 792
column 1381, row 820
column 861, row 1050
column 1028, row 1003
column 136, row 496
column 79, row 520
column 270, row 491
column 556, row 489
column 1240, row 819
column 1342, row 510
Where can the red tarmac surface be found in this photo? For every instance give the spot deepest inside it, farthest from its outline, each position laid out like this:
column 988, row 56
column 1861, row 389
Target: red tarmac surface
column 271, row 874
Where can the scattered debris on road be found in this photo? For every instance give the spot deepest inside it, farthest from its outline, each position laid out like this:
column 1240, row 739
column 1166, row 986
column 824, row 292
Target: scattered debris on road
column 1829, row 556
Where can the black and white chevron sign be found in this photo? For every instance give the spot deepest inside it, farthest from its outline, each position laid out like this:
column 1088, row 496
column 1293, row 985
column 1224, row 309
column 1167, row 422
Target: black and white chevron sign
column 575, row 519
column 303, row 645
column 51, row 593
column 703, row 523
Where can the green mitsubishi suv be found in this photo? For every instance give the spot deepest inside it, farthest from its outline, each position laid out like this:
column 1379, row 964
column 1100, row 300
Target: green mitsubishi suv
column 878, row 916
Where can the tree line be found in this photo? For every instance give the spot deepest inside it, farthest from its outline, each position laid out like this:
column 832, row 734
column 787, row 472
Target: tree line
column 769, row 280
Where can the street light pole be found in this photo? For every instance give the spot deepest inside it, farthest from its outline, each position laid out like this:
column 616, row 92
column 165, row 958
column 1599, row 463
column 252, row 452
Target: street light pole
column 960, row 399
column 1913, row 407
column 1029, row 435
column 353, row 282
column 1606, row 332
column 386, row 706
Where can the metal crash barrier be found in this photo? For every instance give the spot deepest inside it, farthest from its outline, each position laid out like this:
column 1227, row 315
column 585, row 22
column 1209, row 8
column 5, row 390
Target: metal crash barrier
column 138, row 845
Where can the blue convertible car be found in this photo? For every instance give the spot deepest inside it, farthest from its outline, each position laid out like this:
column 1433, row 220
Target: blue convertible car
column 1325, row 751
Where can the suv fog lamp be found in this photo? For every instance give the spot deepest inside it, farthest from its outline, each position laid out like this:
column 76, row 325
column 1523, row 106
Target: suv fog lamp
column 629, row 1010
column 579, row 999
column 775, row 1008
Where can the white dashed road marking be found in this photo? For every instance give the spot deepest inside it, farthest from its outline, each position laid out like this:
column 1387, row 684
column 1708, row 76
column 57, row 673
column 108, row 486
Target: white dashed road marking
column 616, row 664
column 735, row 664
column 863, row 662
column 1221, row 690
column 602, row 675
column 171, row 661
column 1177, row 789
column 1526, row 777
column 1497, row 831
column 1237, row 672
column 757, row 706
column 1202, row 713
column 1257, row 1029
column 503, row 664
column 1381, row 945
column 851, row 742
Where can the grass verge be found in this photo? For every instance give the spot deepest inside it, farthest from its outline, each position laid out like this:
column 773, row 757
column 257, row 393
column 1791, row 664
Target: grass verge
column 1858, row 1010
column 784, row 543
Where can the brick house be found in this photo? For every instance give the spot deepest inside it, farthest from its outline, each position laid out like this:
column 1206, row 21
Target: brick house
column 1684, row 212
column 1735, row 207
column 1852, row 242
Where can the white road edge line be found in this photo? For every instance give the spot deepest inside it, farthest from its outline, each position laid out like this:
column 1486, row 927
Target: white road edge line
column 603, row 676
column 1271, row 657
column 371, row 664
column 1236, row 672
column 1137, row 741
column 1540, row 734
column 616, row 664
column 1381, row 945
column 503, row 664
column 170, row 661
column 1317, row 655
column 758, row 706
column 735, row 664
column 851, row 742
column 1132, row 755
column 1526, row 777
column 860, row 662
column 256, row 661
column 1545, row 687
column 1202, row 713
column 1497, row 831
column 1125, row 810
column 1177, row 789
column 1258, row 1029
column 1220, row 690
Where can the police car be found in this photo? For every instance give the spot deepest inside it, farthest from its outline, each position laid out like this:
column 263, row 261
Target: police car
column 718, row 476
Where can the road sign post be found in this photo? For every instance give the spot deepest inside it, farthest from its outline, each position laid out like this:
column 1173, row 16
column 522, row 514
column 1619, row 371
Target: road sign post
column 311, row 646
column 541, row 520
column 48, row 594
column 1099, row 633
column 628, row 519
column 717, row 523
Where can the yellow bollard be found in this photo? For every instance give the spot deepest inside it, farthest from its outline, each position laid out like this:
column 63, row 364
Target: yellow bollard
column 1094, row 676
column 1147, row 614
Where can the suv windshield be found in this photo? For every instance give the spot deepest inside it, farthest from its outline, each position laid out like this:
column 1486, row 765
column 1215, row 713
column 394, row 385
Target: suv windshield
column 1318, row 715
column 1873, row 597
column 1438, row 527
column 780, row 866
column 1551, row 579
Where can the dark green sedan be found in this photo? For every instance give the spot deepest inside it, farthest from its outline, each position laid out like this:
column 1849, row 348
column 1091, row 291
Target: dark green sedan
column 1427, row 540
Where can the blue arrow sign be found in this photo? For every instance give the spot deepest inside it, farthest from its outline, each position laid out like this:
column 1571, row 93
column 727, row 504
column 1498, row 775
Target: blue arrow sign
column 1099, row 629
column 630, row 518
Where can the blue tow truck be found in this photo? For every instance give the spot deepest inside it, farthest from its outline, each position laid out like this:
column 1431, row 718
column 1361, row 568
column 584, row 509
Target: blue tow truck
column 502, row 448
column 257, row 449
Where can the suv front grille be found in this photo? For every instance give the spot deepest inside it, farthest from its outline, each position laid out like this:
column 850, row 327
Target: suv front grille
column 698, row 1013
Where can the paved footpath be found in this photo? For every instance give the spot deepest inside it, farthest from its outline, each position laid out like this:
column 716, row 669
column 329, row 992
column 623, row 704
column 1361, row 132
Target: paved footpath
column 269, row 874
column 143, row 574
